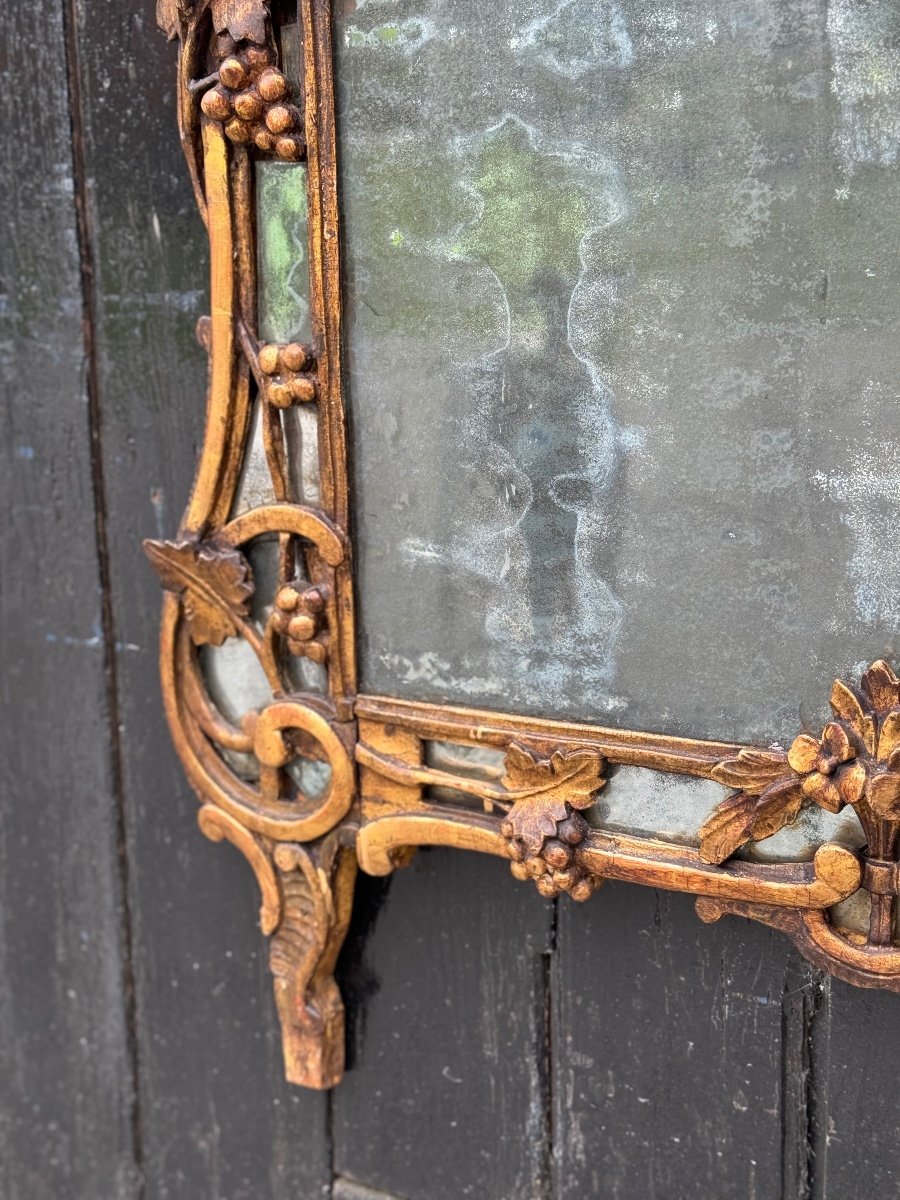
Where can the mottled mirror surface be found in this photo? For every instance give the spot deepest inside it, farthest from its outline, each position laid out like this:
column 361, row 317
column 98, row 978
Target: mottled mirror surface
column 622, row 353
column 282, row 248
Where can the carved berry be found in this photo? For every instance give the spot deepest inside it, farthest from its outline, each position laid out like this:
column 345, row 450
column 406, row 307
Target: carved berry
column 216, row 104
column 288, row 598
column 239, row 131
column 289, row 148
column 269, row 357
column 583, row 889
column 302, row 627
column 279, row 394
column 302, row 389
column 573, row 830
column 294, row 356
column 249, row 105
column 265, row 140
column 547, row 886
column 279, row 118
column 232, row 72
column 272, row 85
column 557, row 854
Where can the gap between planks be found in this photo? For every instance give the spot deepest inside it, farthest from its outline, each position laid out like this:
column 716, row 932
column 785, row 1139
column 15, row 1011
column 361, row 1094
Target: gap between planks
column 87, row 262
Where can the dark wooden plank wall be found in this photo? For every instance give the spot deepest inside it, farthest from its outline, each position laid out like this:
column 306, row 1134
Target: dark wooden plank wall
column 66, row 1067
column 217, row 1120
column 502, row 1047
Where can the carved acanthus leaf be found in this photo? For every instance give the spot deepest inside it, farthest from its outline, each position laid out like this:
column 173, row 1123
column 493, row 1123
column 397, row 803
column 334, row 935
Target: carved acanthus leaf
column 215, row 581
column 243, row 19
column 746, row 817
column 769, row 798
column 317, row 884
column 848, row 706
column 752, row 771
column 542, row 787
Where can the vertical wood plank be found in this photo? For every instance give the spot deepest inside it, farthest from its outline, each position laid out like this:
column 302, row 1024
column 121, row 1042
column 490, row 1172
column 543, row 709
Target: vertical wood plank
column 857, row 1122
column 444, row 976
column 66, row 1081
column 667, row 1045
column 217, row 1117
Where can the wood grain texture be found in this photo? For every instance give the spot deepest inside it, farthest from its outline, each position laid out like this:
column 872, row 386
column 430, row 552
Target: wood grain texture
column 443, row 976
column 66, row 1078
column 217, row 1117
column 666, row 1051
column 856, row 1128
column 674, row 1065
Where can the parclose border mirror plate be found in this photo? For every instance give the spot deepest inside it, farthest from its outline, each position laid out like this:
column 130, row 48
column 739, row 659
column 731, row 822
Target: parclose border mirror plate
column 311, row 778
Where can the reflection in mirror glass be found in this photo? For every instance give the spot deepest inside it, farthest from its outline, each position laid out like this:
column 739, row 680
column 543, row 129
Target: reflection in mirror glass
column 622, row 353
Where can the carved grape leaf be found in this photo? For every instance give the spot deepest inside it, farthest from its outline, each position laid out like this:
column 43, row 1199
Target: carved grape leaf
column 216, row 583
column 170, row 14
column 746, row 817
column 541, row 788
column 243, row 19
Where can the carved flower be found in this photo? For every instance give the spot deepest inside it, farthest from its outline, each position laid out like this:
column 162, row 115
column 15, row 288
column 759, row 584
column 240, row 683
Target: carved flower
column 856, row 761
column 832, row 774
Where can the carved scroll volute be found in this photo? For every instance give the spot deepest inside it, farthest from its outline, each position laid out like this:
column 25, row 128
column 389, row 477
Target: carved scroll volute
column 236, row 107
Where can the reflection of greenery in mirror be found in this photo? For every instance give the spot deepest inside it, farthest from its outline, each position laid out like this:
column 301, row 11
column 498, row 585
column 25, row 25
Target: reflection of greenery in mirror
column 283, row 254
column 532, row 211
column 621, row 322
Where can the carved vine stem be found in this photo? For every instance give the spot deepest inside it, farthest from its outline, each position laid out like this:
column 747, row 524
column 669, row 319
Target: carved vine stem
column 235, row 108
column 855, row 761
column 543, row 810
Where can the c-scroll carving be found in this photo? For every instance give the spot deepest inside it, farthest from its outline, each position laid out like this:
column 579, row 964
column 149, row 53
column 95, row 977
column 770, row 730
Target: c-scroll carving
column 542, row 809
column 544, row 787
column 317, row 884
column 278, row 782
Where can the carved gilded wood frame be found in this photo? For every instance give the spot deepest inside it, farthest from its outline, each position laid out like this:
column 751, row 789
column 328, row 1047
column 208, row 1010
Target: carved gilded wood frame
column 382, row 797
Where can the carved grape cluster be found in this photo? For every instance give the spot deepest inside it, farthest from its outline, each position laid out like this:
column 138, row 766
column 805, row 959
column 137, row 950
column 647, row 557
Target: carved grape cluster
column 299, row 617
column 252, row 100
column 556, row 868
column 287, row 379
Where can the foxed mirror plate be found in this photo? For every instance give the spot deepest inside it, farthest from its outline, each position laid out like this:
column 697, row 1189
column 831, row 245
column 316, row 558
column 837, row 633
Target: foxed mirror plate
column 622, row 354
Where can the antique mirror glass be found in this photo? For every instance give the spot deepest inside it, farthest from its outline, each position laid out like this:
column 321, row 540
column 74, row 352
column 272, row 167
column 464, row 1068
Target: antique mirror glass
column 547, row 501
column 622, row 354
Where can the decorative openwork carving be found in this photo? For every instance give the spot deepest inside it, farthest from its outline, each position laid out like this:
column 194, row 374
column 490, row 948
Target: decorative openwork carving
column 543, row 810
column 544, row 827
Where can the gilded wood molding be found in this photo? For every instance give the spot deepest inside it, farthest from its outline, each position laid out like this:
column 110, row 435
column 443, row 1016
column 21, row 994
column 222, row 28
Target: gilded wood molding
column 375, row 794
